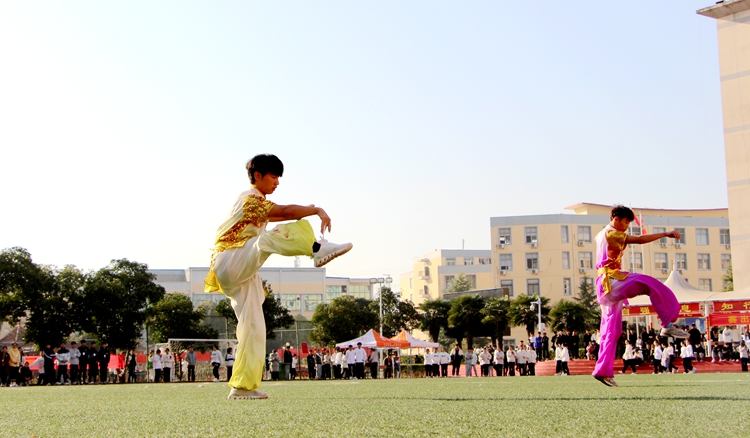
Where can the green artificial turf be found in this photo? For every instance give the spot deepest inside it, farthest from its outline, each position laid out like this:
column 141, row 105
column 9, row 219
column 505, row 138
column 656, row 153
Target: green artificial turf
column 643, row 406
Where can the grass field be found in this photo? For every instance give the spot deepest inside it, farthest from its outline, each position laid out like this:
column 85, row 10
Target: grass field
column 643, row 406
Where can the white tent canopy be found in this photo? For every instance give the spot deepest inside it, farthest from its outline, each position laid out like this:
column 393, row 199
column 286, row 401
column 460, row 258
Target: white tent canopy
column 414, row 342
column 683, row 291
column 372, row 339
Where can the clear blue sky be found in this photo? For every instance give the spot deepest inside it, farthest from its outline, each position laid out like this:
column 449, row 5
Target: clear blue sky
column 125, row 126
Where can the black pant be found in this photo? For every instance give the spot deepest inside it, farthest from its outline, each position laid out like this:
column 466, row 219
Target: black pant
column 93, row 372
column 374, row 370
column 157, row 375
column 628, row 363
column 532, row 368
column 336, row 372
column 510, row 368
column 74, row 374
column 444, row 369
column 456, row 368
column 62, row 373
column 359, row 370
column 229, row 372
column 485, row 370
column 191, row 373
column 498, row 369
column 49, row 374
column 103, row 373
column 744, row 364
column 687, row 363
column 82, row 372
column 167, row 375
column 216, row 371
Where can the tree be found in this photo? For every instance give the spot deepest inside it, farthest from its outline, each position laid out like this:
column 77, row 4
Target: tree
column 521, row 314
column 495, row 314
column 343, row 318
column 275, row 315
column 39, row 295
column 434, row 317
column 567, row 315
column 115, row 300
column 397, row 315
column 587, row 298
column 728, row 280
column 465, row 316
column 174, row 317
column 459, row 284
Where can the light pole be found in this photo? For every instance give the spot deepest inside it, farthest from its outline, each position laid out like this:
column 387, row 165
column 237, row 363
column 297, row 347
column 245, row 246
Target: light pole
column 381, row 280
column 535, row 304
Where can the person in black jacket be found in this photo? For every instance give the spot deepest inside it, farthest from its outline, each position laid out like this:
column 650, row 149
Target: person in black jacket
column 456, row 358
column 49, row 365
column 103, row 358
column 93, row 364
column 83, row 362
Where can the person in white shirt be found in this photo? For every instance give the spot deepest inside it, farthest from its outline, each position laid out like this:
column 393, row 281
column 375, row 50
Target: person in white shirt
column 75, row 358
column 294, row 366
column 470, row 361
column 499, row 359
column 484, row 362
column 373, row 363
column 742, row 350
column 521, row 360
column 565, row 359
column 628, row 358
column 157, row 366
column 427, row 363
column 445, row 359
column 337, row 363
column 167, row 363
column 360, row 356
column 348, row 363
column 531, row 360
column 230, row 363
column 657, row 354
column 686, row 353
column 510, row 361
column 215, row 361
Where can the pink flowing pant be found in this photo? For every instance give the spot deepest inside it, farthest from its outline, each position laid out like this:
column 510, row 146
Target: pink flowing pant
column 662, row 298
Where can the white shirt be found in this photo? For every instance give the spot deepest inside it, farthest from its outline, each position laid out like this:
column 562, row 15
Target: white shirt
column 428, row 359
column 157, row 361
column 349, row 356
column 686, row 351
column 360, row 355
column 167, row 361
column 74, row 355
column 499, row 356
column 216, row 357
column 230, row 360
column 337, row 358
column 565, row 356
column 628, row 354
column 510, row 356
column 445, row 358
column 521, row 356
column 471, row 358
column 658, row 352
column 531, row 356
column 294, row 361
column 485, row 357
column 727, row 335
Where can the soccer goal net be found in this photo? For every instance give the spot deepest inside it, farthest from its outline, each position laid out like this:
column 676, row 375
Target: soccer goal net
column 202, row 347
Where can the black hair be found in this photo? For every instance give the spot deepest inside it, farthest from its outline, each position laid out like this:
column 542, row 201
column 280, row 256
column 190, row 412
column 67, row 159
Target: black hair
column 264, row 163
column 622, row 212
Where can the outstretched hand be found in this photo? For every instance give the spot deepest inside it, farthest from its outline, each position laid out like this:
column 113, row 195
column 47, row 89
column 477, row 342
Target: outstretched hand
column 325, row 221
column 673, row 234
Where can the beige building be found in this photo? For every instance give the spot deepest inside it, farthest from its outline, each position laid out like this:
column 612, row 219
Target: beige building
column 733, row 28
column 433, row 273
column 551, row 254
column 299, row 289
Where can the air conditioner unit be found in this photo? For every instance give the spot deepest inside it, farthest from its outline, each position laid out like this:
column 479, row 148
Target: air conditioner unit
column 502, row 272
column 534, row 243
column 424, row 277
column 665, row 271
column 677, row 245
column 728, row 246
column 663, row 245
column 502, row 241
column 582, row 270
column 425, row 260
column 535, row 271
column 500, row 246
column 580, row 243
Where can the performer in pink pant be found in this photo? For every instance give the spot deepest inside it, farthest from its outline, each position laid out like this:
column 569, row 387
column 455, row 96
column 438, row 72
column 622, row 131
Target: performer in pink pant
column 613, row 287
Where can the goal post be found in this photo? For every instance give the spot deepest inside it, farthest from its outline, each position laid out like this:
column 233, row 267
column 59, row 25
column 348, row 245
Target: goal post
column 202, row 347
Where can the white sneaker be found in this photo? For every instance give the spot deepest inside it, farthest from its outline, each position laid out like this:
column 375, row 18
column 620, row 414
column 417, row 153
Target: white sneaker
column 674, row 332
column 329, row 251
column 216, row 380
column 692, row 371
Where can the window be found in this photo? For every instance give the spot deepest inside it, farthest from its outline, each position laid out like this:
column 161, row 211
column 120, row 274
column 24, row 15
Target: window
column 450, row 262
column 532, row 260
column 472, row 281
column 567, row 287
column 636, row 261
column 333, row 292
column 660, row 260
column 426, row 289
column 532, row 286
column 683, row 236
column 704, row 284
column 590, row 282
column 635, row 230
column 658, row 230
column 448, row 281
column 704, row 262
column 426, row 271
column 503, row 236
column 530, row 233
column 701, row 236
column 485, row 261
column 312, row 301
column 506, row 262
column 468, row 261
column 724, row 236
column 584, row 233
column 726, row 261
column 507, row 284
column 566, row 260
column 564, row 235
column 585, row 260
column 360, row 291
column 290, row 301
column 681, row 259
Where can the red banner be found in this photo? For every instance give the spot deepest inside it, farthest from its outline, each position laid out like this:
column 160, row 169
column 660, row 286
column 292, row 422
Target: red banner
column 729, row 319
column 690, row 309
column 731, row 306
